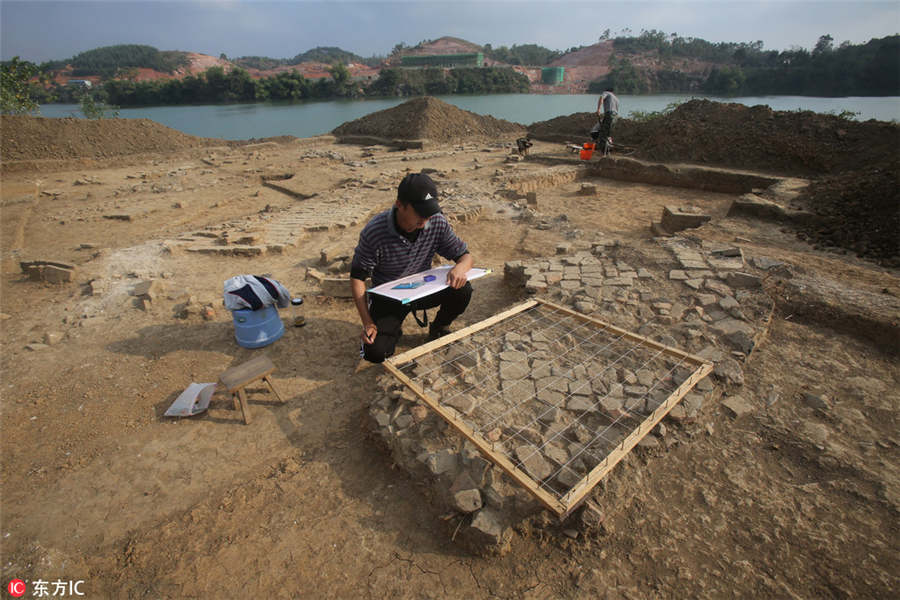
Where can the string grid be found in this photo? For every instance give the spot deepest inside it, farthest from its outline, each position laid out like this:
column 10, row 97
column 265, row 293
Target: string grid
column 553, row 392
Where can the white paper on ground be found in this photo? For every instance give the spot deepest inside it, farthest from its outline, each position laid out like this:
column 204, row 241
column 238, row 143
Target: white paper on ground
column 192, row 401
column 427, row 288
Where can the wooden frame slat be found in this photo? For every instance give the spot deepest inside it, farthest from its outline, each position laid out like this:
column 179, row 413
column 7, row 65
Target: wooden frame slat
column 466, row 331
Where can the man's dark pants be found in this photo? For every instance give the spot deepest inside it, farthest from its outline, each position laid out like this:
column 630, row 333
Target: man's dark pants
column 603, row 129
column 389, row 315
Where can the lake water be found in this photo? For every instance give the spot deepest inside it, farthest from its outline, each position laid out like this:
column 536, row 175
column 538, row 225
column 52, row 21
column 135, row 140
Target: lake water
column 305, row 119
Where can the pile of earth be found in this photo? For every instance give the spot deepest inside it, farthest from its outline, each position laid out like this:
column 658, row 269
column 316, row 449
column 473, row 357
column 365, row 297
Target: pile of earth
column 801, row 143
column 428, row 118
column 859, row 210
column 38, row 138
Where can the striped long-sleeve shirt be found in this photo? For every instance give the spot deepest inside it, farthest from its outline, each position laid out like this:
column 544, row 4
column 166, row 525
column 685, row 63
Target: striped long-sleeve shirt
column 385, row 254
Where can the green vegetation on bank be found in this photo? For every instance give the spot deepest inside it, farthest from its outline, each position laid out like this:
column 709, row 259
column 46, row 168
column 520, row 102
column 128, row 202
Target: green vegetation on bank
column 215, row 86
column 434, row 81
column 871, row 69
column 526, row 54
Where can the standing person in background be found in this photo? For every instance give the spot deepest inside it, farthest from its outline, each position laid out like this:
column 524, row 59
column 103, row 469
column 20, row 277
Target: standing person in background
column 607, row 111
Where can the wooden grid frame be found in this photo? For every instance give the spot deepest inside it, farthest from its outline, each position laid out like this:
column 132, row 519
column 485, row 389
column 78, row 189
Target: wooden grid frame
column 560, row 504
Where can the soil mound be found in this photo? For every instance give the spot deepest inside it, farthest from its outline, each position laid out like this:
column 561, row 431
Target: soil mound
column 733, row 135
column 860, row 211
column 430, row 119
column 39, row 138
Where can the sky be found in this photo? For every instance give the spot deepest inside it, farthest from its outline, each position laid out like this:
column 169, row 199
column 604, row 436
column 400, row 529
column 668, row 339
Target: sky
column 40, row 30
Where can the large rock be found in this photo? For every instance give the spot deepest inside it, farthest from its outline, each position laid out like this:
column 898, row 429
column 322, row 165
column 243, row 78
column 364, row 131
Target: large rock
column 49, row 271
column 444, row 461
column 533, row 462
column 676, row 218
column 513, row 370
column 737, row 406
column 738, row 333
column 467, row 501
column 581, row 404
column 486, row 528
column 461, row 402
column 729, row 371
column 151, row 289
column 743, row 280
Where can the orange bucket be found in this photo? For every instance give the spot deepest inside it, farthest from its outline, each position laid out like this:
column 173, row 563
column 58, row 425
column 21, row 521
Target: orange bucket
column 586, row 151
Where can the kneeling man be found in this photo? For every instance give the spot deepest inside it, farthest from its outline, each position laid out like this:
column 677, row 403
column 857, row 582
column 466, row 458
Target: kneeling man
column 402, row 241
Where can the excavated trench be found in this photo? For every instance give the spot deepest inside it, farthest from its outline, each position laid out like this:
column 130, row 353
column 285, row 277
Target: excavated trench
column 869, row 315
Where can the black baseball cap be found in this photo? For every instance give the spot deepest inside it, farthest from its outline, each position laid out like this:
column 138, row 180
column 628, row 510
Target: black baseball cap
column 419, row 190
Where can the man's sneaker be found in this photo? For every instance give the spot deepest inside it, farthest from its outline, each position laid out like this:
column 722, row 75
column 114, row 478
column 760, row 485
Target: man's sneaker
column 436, row 332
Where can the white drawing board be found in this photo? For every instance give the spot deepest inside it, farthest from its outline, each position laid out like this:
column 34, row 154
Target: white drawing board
column 422, row 288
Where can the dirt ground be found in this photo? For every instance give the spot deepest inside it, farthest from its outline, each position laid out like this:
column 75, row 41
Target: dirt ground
column 797, row 499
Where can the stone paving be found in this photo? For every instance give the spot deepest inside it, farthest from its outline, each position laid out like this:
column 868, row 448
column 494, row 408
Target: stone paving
column 272, row 231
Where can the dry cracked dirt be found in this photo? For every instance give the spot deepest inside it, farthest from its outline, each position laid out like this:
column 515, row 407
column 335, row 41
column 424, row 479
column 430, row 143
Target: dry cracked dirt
column 783, row 483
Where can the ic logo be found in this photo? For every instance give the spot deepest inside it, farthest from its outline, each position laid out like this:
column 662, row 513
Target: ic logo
column 16, row 588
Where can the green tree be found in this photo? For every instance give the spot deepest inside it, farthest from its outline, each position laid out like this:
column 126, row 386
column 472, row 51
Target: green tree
column 216, row 84
column 824, row 45
column 92, row 108
column 15, row 89
column 624, row 77
column 340, row 75
column 724, row 80
column 241, row 87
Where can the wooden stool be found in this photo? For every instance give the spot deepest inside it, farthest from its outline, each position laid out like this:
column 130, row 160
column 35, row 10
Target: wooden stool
column 236, row 378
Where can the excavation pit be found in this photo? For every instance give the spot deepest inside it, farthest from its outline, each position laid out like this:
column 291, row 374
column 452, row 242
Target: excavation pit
column 521, row 414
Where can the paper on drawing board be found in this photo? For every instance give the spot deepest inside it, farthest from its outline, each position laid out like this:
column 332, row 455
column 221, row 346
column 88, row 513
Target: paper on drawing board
column 423, row 288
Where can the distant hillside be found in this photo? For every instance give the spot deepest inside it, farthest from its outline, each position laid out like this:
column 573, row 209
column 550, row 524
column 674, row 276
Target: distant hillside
column 322, row 54
column 585, row 64
column 328, row 54
column 652, row 62
column 655, row 62
column 110, row 60
column 444, row 45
